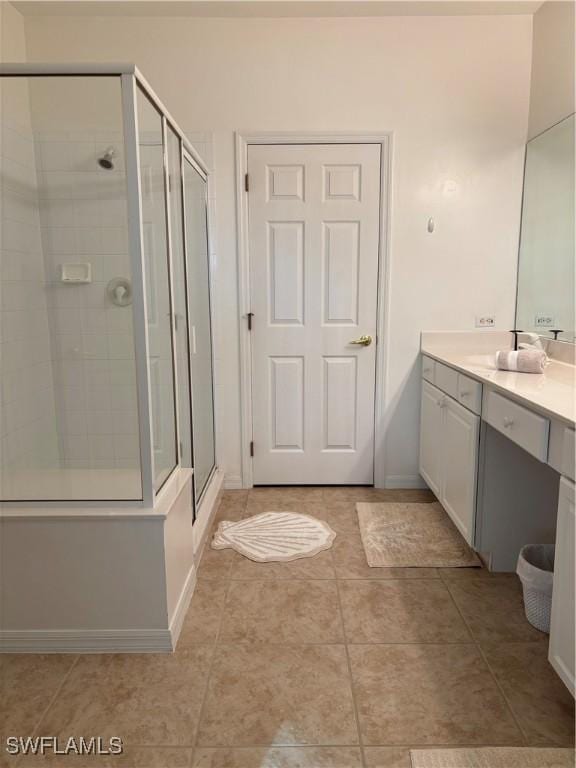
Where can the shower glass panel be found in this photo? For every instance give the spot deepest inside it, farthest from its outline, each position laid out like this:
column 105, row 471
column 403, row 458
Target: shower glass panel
column 69, row 422
column 197, row 261
column 179, row 291
column 106, row 379
column 157, row 278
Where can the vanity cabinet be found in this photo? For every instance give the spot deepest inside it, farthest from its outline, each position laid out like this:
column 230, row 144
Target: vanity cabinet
column 562, row 641
column 449, row 453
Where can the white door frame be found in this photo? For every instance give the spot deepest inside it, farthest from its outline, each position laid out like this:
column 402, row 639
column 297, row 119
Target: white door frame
column 243, row 140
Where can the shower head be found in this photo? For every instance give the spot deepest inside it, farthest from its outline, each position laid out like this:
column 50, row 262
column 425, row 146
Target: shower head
column 107, row 159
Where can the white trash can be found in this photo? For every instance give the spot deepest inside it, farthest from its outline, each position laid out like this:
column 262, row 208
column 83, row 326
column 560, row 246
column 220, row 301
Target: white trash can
column 536, row 571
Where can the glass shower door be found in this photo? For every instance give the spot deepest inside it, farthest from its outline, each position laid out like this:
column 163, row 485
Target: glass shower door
column 158, row 299
column 198, row 269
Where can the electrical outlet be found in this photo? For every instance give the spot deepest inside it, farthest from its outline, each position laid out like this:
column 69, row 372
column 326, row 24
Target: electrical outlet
column 542, row 320
column 485, row 321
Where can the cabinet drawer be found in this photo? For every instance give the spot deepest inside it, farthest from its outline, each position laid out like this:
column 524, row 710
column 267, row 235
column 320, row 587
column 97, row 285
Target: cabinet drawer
column 428, row 366
column 470, row 393
column 523, row 427
column 446, row 379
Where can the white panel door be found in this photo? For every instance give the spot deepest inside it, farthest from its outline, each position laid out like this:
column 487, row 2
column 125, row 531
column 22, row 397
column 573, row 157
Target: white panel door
column 459, row 442
column 314, row 213
column 562, row 647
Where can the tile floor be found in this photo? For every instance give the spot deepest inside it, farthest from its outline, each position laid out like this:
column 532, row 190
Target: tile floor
column 318, row 663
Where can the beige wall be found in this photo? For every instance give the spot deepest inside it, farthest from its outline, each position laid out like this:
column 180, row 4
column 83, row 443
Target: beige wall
column 454, row 92
column 552, row 85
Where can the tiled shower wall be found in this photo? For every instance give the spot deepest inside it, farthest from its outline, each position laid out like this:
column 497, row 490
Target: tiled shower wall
column 84, row 221
column 28, row 436
column 68, row 375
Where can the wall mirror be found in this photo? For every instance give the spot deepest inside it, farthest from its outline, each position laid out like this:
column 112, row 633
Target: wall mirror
column 546, row 293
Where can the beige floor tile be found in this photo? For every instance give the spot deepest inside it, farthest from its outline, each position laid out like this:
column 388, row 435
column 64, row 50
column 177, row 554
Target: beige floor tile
column 493, row 609
column 472, row 573
column 232, row 514
column 278, row 757
column 364, row 493
column 537, row 696
column 387, row 757
column 215, row 563
column 203, row 616
column 350, row 563
column 341, row 516
column 428, row 695
column 408, row 611
column 145, row 699
column 278, row 695
column 132, row 757
column 282, row 611
column 234, row 497
column 28, row 682
column 232, row 506
column 278, row 494
column 259, row 504
column 318, row 567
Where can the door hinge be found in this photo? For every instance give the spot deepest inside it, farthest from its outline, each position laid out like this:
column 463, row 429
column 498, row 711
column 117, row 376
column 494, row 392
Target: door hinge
column 246, row 183
column 251, row 447
column 250, row 315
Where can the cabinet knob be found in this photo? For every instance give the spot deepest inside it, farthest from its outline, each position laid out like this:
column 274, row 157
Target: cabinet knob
column 508, row 422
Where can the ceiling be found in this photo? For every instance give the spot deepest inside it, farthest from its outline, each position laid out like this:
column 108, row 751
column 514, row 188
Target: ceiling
column 275, row 8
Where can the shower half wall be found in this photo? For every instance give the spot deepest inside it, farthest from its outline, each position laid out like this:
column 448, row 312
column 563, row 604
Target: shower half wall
column 108, row 469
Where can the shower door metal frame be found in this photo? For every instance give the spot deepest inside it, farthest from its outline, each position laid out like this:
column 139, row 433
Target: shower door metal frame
column 186, row 156
column 131, row 79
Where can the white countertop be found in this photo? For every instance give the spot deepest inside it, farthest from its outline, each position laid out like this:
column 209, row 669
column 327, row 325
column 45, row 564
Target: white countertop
column 552, row 393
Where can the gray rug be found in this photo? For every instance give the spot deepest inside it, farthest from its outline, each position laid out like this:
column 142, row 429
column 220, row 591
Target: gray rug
column 493, row 757
column 412, row 536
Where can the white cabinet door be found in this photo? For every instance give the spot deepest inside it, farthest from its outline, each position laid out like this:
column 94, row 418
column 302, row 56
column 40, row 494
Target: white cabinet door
column 431, row 440
column 562, row 645
column 459, row 442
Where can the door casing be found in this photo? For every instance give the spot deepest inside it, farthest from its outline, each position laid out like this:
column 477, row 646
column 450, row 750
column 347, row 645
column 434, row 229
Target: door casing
column 243, row 140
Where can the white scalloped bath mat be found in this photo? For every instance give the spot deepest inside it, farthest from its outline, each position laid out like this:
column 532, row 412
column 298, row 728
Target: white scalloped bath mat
column 412, row 536
column 493, row 757
column 275, row 536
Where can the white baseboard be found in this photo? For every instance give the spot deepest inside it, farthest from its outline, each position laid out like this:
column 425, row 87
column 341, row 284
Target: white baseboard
column 182, row 607
column 206, row 512
column 404, row 481
column 86, row 641
column 233, row 482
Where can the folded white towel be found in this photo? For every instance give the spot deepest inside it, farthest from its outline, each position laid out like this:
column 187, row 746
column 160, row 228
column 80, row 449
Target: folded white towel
column 524, row 360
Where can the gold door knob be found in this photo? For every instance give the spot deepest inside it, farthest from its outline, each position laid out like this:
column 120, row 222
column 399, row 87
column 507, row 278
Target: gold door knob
column 363, row 341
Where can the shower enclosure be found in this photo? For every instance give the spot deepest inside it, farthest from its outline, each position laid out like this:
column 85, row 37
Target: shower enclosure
column 106, row 374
